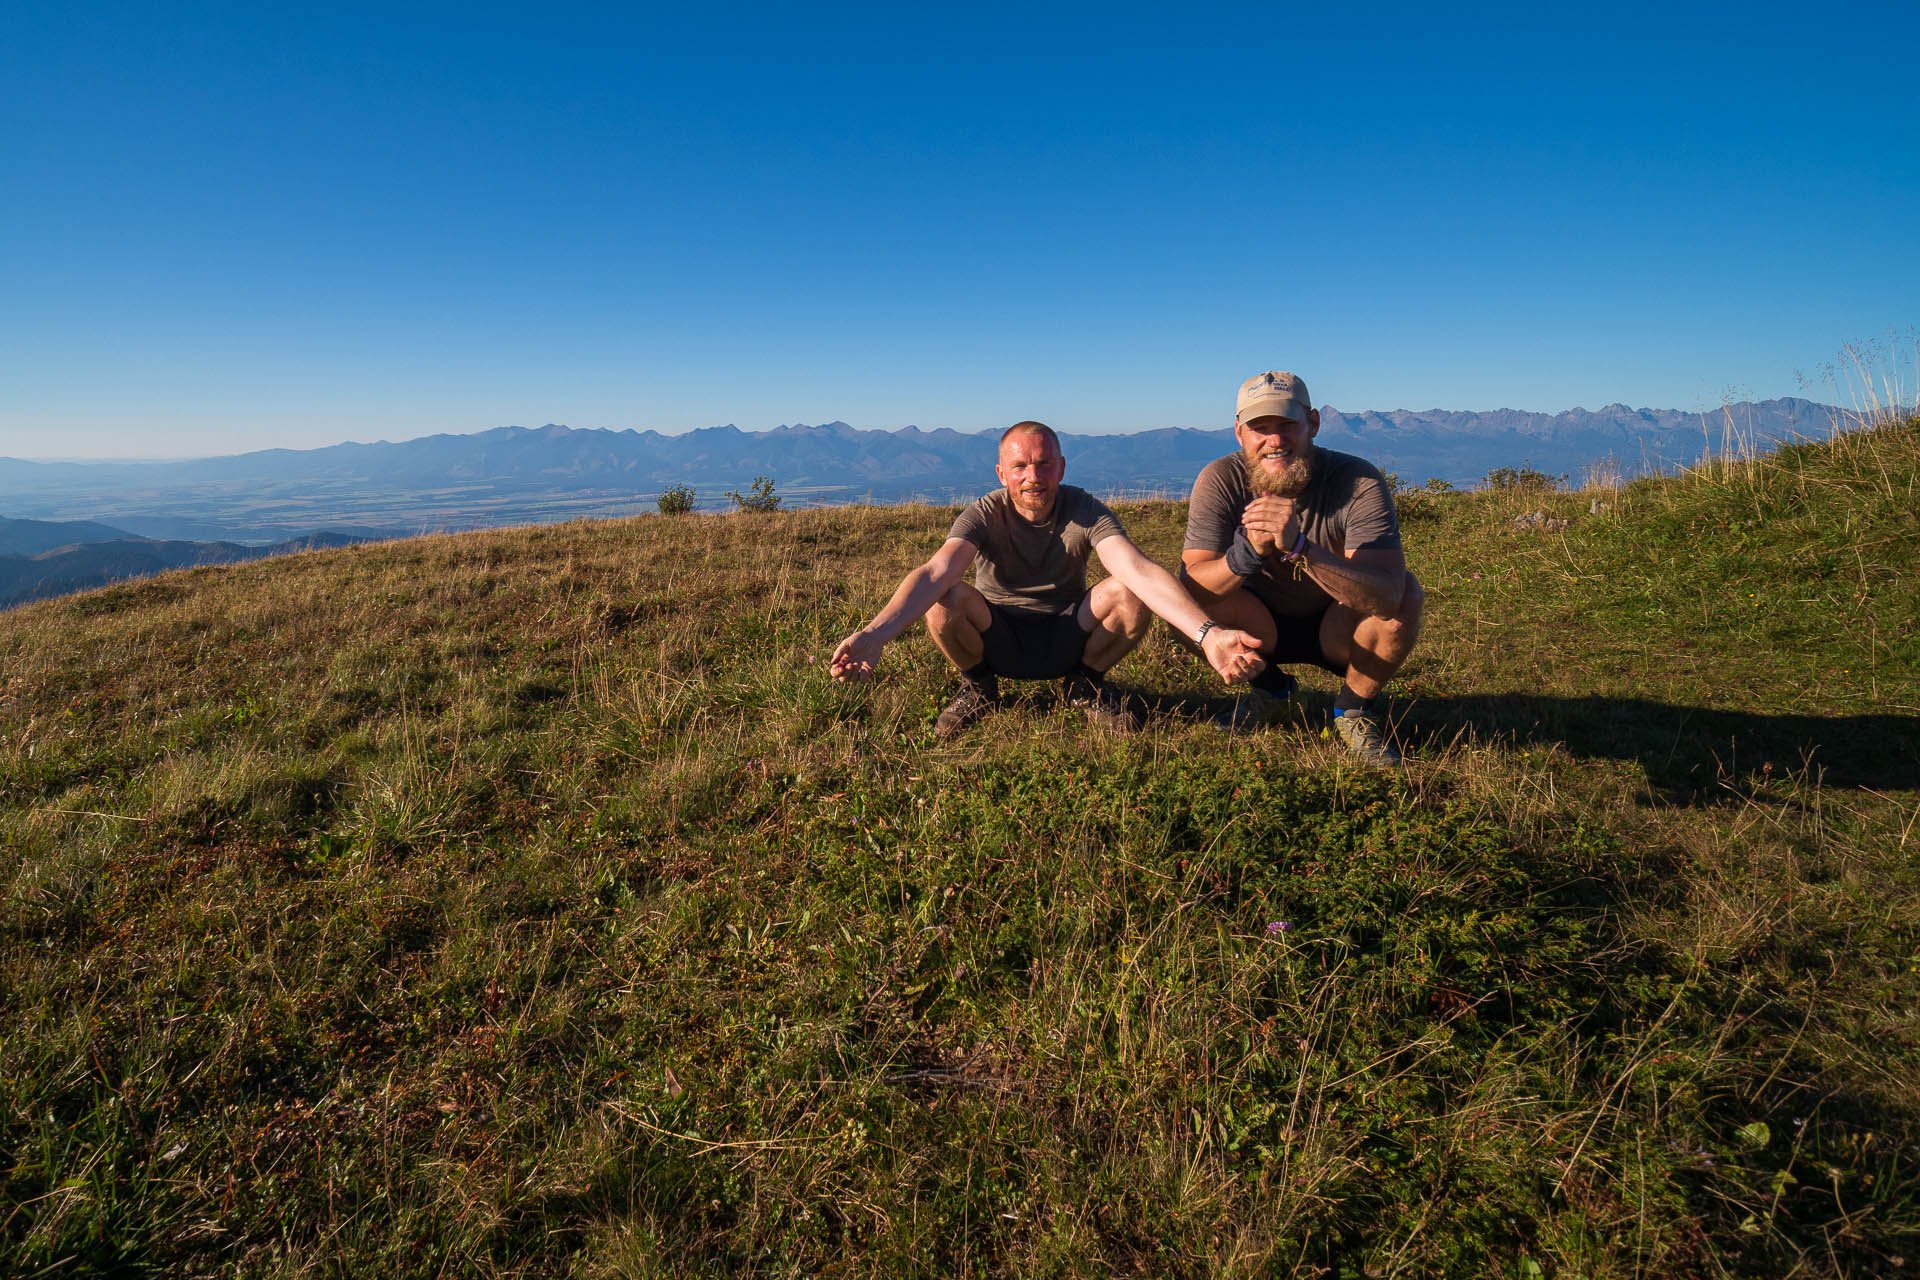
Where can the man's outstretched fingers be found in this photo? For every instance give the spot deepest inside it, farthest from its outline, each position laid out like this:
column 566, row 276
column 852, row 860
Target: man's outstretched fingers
column 1235, row 655
column 1247, row 660
column 854, row 658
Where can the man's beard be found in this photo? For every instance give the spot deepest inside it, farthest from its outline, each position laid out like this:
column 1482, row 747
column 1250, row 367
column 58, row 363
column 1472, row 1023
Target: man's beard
column 1290, row 483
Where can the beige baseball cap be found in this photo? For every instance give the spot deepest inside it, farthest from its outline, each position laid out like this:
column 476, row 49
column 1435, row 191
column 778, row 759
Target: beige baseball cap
column 1272, row 394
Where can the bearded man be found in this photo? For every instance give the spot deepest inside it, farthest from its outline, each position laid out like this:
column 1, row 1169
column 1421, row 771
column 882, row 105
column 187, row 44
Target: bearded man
column 1299, row 546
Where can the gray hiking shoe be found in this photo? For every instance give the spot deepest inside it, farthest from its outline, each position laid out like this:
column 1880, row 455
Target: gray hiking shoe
column 1361, row 732
column 972, row 702
column 1105, row 709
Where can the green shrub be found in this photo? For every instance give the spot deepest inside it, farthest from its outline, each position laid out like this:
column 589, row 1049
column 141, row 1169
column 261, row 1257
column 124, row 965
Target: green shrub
column 1414, row 505
column 762, row 498
column 1523, row 478
column 675, row 500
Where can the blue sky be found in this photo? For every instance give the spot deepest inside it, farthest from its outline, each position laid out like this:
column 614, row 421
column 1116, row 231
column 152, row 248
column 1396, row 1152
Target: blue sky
column 228, row 229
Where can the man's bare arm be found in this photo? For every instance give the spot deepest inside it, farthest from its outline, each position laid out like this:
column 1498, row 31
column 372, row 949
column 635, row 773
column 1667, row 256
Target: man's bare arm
column 1370, row 582
column 1234, row 654
column 1207, row 571
column 856, row 657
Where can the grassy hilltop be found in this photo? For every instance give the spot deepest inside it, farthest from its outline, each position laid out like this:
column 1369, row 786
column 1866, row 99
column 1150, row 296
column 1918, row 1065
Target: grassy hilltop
column 530, row 902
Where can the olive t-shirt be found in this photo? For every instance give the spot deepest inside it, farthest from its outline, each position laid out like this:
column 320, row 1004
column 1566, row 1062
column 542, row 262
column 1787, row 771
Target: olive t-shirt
column 1042, row 566
column 1344, row 507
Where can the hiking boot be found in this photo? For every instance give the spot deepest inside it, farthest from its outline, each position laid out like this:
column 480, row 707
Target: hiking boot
column 1251, row 710
column 1105, row 709
column 1258, row 705
column 967, row 706
column 1361, row 732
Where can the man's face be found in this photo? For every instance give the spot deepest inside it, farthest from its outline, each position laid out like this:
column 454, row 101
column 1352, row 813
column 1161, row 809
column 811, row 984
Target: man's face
column 1279, row 452
column 1031, row 468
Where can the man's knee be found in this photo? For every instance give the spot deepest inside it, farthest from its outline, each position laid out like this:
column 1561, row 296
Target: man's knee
column 1117, row 608
column 1413, row 601
column 1395, row 632
column 960, row 606
column 1241, row 610
column 1201, row 596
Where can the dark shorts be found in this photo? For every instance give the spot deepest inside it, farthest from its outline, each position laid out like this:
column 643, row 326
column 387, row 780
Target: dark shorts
column 1300, row 641
column 1023, row 644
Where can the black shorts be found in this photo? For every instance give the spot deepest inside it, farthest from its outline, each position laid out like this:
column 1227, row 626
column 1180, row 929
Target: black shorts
column 1024, row 644
column 1299, row 641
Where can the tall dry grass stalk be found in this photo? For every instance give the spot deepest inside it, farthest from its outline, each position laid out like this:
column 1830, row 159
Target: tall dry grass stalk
column 1879, row 381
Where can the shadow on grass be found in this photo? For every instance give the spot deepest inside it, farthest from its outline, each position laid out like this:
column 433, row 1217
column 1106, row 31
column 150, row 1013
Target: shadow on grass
column 1687, row 752
column 1690, row 754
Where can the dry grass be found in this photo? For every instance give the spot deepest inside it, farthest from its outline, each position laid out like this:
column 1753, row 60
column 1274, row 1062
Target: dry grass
column 530, row 902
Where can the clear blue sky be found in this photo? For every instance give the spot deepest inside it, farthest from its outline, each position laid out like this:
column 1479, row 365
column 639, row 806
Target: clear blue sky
column 236, row 227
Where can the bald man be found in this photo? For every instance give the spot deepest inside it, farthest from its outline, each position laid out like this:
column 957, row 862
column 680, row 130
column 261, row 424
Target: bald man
column 1028, row 614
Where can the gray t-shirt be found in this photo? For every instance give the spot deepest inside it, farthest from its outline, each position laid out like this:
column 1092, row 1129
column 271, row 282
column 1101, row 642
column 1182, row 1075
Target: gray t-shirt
column 1345, row 507
column 1042, row 567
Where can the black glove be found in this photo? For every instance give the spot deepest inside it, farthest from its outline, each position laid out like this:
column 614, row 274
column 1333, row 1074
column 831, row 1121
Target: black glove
column 1242, row 558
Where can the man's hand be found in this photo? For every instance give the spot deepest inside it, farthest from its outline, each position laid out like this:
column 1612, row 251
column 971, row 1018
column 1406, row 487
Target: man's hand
column 1270, row 522
column 1234, row 654
column 856, row 656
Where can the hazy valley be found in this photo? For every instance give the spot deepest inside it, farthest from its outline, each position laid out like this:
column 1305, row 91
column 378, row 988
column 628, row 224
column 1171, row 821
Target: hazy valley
column 195, row 512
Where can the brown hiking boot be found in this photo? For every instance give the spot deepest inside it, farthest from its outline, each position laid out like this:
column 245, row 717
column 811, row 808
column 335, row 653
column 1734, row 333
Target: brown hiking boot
column 1105, row 709
column 967, row 706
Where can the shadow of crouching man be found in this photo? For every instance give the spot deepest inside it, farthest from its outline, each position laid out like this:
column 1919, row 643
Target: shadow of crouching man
column 1689, row 753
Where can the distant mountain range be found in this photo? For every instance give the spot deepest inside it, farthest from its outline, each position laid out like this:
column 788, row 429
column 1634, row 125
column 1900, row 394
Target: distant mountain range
column 40, row 558
column 518, row 474
column 154, row 515
column 1462, row 447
